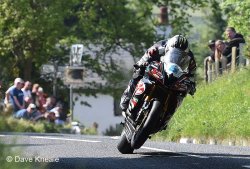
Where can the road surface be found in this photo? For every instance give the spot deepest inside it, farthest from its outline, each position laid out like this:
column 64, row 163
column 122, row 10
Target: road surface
column 99, row 152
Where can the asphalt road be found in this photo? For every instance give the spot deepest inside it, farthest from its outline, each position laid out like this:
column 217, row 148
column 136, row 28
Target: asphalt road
column 98, row 152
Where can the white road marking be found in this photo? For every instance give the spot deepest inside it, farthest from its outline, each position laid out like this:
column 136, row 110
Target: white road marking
column 246, row 166
column 65, row 139
column 115, row 137
column 2, row 135
column 155, row 149
column 163, row 150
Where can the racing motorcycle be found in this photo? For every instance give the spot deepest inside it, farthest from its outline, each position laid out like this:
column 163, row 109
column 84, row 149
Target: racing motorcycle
column 155, row 99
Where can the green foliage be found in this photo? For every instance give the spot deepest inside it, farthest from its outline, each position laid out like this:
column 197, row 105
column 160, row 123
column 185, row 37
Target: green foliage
column 180, row 13
column 215, row 21
column 6, row 151
column 238, row 17
column 113, row 130
column 29, row 30
column 218, row 110
column 10, row 124
column 30, row 33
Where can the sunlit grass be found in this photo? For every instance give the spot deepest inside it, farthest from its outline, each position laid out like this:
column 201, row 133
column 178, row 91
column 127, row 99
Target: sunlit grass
column 219, row 110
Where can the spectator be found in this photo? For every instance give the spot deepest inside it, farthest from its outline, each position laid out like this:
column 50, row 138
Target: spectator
column 27, row 101
column 50, row 103
column 210, row 58
column 27, row 89
column 27, row 93
column 41, row 100
column 16, row 95
column 34, row 93
column 29, row 114
column 47, row 116
column 234, row 40
column 59, row 114
column 7, row 95
column 219, row 48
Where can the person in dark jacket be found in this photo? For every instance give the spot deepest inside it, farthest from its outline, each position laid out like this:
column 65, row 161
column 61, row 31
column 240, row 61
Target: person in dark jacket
column 234, row 40
column 154, row 53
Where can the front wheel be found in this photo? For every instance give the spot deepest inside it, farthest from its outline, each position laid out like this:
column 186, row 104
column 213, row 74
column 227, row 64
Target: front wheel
column 140, row 136
column 124, row 146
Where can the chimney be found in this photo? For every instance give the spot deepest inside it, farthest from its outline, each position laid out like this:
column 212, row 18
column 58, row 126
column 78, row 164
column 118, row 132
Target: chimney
column 163, row 15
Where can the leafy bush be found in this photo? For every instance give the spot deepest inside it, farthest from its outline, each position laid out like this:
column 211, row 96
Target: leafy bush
column 10, row 124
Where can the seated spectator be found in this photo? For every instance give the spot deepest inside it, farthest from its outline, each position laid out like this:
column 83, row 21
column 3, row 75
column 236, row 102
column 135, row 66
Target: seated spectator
column 234, row 40
column 27, row 89
column 50, row 103
column 29, row 114
column 41, row 100
column 59, row 114
column 34, row 93
column 27, row 93
column 47, row 116
column 27, row 101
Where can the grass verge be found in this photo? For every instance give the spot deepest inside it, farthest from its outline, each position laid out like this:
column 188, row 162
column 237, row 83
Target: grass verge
column 220, row 110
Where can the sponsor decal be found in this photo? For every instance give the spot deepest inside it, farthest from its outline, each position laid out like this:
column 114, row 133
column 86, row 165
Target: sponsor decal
column 140, row 88
column 157, row 73
column 133, row 103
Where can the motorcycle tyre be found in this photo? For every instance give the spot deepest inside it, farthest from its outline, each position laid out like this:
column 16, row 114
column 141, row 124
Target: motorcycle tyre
column 124, row 146
column 140, row 137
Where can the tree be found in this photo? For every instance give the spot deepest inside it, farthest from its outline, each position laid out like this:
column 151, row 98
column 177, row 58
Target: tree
column 179, row 13
column 216, row 22
column 29, row 31
column 238, row 13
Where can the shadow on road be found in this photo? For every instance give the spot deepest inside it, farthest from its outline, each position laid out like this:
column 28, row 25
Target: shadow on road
column 157, row 160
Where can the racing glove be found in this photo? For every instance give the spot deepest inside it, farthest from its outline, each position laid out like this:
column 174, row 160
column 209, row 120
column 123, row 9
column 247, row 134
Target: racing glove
column 153, row 51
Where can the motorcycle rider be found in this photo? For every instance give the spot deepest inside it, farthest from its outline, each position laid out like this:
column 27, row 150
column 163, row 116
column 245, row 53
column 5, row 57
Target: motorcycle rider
column 177, row 43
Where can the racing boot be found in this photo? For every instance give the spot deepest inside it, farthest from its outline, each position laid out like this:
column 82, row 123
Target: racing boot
column 127, row 94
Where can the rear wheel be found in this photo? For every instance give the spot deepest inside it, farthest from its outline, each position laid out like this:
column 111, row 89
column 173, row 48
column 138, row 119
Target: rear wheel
column 124, row 146
column 140, row 136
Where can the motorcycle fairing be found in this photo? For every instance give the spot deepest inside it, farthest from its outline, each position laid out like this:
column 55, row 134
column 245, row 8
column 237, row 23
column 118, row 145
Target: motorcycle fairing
column 173, row 69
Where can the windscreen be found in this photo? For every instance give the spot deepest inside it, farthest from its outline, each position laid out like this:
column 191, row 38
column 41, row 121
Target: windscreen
column 174, row 55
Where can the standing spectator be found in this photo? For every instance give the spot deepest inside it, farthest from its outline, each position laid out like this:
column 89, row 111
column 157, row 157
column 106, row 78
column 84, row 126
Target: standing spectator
column 209, row 59
column 234, row 40
column 219, row 48
column 16, row 95
column 7, row 95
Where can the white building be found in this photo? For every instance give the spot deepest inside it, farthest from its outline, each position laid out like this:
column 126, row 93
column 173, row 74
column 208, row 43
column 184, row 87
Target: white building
column 101, row 112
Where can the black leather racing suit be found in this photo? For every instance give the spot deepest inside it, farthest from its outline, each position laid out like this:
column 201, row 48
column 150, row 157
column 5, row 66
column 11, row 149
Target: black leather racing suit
column 139, row 72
